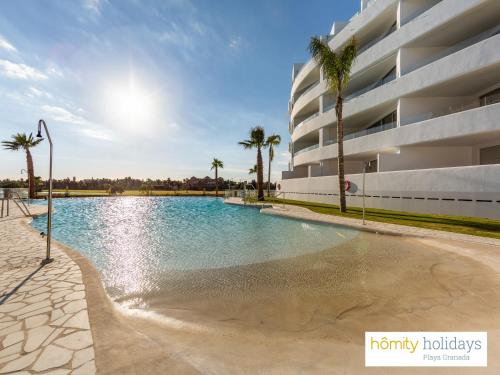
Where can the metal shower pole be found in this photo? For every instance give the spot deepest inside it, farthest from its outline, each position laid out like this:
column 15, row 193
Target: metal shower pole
column 48, row 259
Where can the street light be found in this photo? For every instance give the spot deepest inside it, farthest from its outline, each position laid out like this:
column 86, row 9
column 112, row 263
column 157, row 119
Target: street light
column 366, row 165
column 47, row 259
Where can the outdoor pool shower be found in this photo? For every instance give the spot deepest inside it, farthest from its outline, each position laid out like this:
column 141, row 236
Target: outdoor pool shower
column 47, row 259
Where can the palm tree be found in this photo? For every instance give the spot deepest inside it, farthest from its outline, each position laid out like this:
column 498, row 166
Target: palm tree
column 257, row 140
column 272, row 140
column 24, row 142
column 216, row 163
column 336, row 69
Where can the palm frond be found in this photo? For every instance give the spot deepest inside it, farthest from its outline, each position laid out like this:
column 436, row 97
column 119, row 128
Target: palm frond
column 347, row 58
column 336, row 68
column 272, row 140
column 10, row 145
column 216, row 163
column 21, row 140
column 246, row 144
column 253, row 170
column 258, row 136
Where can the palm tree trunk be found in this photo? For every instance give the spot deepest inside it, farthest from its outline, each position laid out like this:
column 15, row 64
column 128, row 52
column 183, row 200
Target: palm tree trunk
column 269, row 172
column 260, row 175
column 216, row 182
column 31, row 174
column 340, row 144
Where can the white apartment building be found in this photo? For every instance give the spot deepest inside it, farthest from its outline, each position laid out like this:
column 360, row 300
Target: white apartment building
column 422, row 106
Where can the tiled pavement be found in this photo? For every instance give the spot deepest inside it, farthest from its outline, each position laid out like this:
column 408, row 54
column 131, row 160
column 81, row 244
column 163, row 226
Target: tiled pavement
column 44, row 323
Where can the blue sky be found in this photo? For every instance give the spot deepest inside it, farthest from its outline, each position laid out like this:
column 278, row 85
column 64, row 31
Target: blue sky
column 152, row 88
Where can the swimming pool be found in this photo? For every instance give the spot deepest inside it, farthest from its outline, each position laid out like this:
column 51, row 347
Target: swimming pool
column 137, row 242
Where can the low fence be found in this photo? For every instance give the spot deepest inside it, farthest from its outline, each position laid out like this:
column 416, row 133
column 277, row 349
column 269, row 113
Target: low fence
column 246, row 194
column 458, row 191
column 8, row 193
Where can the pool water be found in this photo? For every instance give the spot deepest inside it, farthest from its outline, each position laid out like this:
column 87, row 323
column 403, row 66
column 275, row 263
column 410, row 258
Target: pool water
column 138, row 242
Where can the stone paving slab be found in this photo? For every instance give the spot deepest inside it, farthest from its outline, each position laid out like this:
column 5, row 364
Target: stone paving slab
column 44, row 323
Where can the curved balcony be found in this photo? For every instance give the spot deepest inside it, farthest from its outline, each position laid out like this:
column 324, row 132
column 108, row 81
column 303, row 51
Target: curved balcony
column 306, row 149
column 479, row 124
column 306, row 90
column 432, row 18
column 306, row 98
column 478, row 59
column 362, row 133
column 357, row 23
column 302, row 74
column 306, row 120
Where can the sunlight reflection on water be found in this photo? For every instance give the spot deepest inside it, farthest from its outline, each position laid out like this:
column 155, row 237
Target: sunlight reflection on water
column 135, row 241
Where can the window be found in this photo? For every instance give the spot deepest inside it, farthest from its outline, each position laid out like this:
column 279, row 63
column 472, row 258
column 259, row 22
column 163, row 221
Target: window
column 489, row 155
column 389, row 119
column 490, row 98
column 372, row 166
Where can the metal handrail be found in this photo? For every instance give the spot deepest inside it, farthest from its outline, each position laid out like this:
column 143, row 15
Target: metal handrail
column 313, row 147
column 308, row 118
column 305, row 91
column 27, row 213
column 277, row 195
column 362, row 133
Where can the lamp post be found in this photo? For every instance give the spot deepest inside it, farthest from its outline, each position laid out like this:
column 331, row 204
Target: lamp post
column 47, row 259
column 366, row 164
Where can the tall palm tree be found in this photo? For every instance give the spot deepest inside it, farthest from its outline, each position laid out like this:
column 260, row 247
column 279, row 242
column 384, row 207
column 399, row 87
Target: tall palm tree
column 272, row 140
column 336, row 69
column 257, row 140
column 24, row 142
column 216, row 164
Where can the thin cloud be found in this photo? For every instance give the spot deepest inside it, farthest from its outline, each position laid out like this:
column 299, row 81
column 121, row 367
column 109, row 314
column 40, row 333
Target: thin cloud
column 177, row 35
column 86, row 127
column 34, row 92
column 20, row 71
column 93, row 5
column 62, row 115
column 236, row 43
column 4, row 44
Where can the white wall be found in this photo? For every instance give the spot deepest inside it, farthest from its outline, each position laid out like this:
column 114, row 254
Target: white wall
column 436, row 186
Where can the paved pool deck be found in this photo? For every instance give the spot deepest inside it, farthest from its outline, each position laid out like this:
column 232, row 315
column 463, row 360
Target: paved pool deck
column 59, row 320
column 297, row 212
column 44, row 322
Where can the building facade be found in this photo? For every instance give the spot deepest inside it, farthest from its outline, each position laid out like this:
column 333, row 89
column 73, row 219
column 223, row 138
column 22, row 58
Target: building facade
column 421, row 111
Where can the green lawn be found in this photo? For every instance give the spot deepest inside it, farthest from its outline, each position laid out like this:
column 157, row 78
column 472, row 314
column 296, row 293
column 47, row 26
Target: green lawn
column 104, row 193
column 459, row 224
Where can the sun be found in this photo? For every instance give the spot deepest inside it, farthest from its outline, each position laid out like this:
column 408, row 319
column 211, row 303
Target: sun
column 130, row 105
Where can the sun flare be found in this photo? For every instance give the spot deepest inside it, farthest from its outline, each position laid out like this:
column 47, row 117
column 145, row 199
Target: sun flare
column 130, row 105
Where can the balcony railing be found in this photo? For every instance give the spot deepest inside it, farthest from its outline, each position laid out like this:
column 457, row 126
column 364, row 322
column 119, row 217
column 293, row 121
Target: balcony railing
column 455, row 48
column 306, row 149
column 373, row 86
column 316, row 114
column 371, row 43
column 305, row 91
column 437, row 113
column 362, row 133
